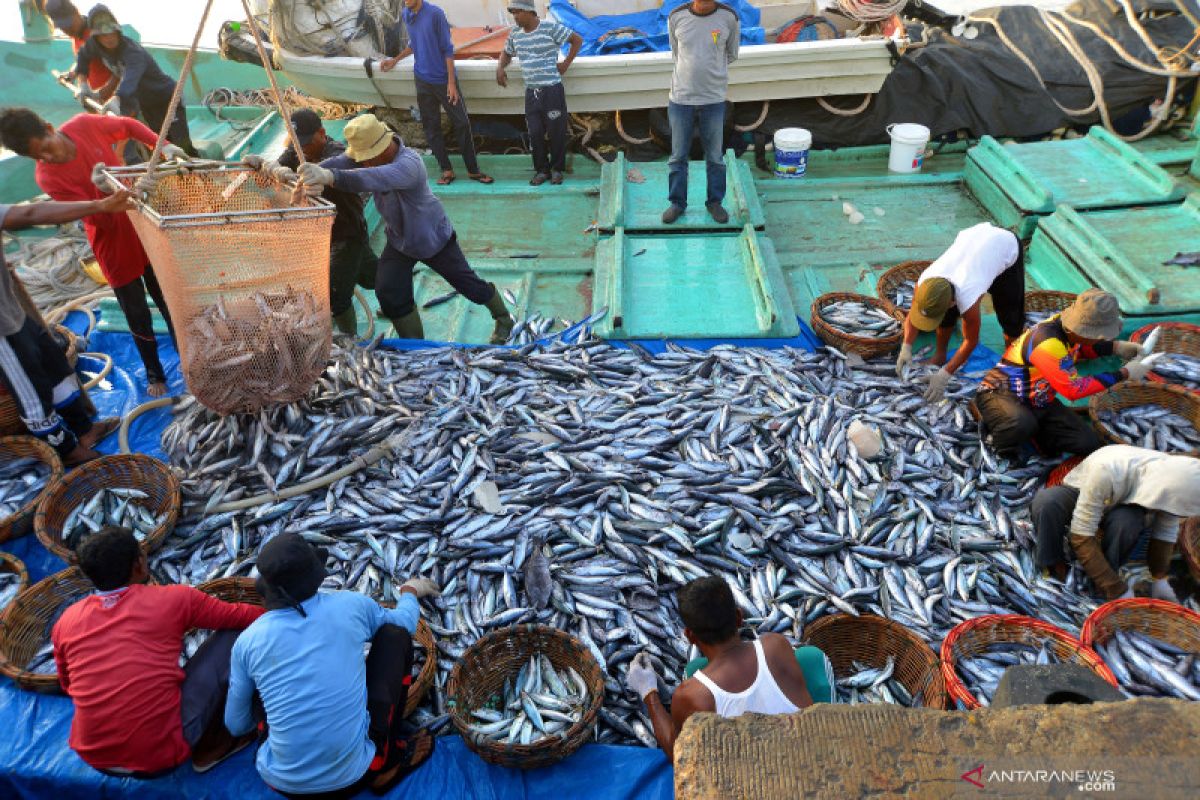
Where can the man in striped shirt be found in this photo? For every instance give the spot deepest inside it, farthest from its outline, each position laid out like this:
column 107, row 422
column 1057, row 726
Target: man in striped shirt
column 536, row 43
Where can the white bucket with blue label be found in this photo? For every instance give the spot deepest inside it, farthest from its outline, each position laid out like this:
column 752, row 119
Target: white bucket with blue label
column 908, row 146
column 791, row 152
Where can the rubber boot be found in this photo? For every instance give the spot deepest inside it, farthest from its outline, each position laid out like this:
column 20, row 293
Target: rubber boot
column 504, row 320
column 346, row 322
column 409, row 326
column 1158, row 557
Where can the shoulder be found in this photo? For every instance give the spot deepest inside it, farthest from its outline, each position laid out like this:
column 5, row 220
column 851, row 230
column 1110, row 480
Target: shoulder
column 683, row 8
column 692, row 696
column 723, row 7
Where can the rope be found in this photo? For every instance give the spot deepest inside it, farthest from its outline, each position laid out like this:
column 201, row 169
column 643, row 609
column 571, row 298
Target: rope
column 624, row 135
column 762, row 117
column 326, row 109
column 262, row 54
column 842, row 112
column 866, row 11
column 50, row 269
column 173, row 106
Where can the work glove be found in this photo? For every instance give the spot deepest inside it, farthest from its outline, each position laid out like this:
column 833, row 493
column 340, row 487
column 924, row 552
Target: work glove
column 254, row 162
column 172, row 152
column 285, row 175
column 866, row 439
column 87, row 93
column 1126, row 350
column 1161, row 589
column 315, row 174
column 99, row 180
column 641, row 677
column 421, row 587
column 904, row 359
column 1129, row 595
column 1137, row 368
column 937, row 386
column 113, row 105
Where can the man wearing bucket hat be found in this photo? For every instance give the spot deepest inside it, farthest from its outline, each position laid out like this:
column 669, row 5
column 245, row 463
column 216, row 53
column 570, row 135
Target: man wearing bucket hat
column 1104, row 506
column 1018, row 399
column 983, row 259
column 418, row 229
column 332, row 718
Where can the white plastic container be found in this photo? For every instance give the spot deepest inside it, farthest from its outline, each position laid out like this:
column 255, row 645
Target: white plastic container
column 791, row 152
column 908, row 146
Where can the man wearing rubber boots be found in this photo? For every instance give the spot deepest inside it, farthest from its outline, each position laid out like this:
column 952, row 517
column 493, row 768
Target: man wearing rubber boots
column 418, row 229
column 1018, row 399
column 351, row 259
column 983, row 260
column 1105, row 504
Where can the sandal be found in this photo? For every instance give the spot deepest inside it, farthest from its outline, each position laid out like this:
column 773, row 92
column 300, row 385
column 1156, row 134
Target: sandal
column 481, row 178
column 447, row 179
column 402, row 761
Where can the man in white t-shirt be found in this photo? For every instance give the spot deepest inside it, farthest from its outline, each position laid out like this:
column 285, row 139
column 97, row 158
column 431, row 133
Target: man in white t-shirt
column 984, row 259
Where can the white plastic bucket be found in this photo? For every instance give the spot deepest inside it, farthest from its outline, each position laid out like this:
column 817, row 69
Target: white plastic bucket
column 908, row 146
column 791, row 152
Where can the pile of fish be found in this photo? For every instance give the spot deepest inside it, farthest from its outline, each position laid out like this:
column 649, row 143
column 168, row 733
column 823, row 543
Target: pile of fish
column 21, row 480
column 580, row 485
column 875, row 685
column 241, row 355
column 903, row 294
column 539, row 703
column 42, row 662
column 982, row 673
column 860, row 319
column 1180, row 369
column 125, row 508
column 1154, row 427
column 10, row 586
column 1147, row 666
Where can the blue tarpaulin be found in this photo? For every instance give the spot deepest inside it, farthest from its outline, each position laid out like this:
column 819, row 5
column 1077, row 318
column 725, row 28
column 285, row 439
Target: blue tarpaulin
column 644, row 31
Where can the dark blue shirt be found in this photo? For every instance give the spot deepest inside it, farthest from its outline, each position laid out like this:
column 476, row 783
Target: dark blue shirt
column 142, row 80
column 429, row 38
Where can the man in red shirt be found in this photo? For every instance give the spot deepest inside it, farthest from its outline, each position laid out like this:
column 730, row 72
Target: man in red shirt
column 66, row 18
column 117, row 651
column 67, row 159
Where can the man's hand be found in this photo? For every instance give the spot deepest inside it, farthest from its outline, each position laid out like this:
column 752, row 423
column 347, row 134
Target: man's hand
column 421, row 587
column 315, row 174
column 118, row 201
column 111, row 106
column 173, row 152
column 563, row 66
column 254, row 162
column 1136, row 369
column 284, row 174
column 641, row 677
column 904, row 359
column 86, row 93
column 937, row 386
column 502, row 77
column 1129, row 595
column 452, row 92
column 99, row 180
column 1126, row 350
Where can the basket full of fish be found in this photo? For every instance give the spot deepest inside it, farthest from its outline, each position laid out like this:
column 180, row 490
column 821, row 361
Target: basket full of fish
column 1152, row 646
column 27, row 467
column 130, row 491
column 1150, row 415
column 855, row 323
column 1180, row 344
column 878, row 660
column 13, row 579
column 977, row 652
column 1041, row 305
column 525, row 696
column 26, row 655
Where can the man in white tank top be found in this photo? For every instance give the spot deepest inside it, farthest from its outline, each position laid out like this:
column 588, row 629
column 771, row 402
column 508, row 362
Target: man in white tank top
column 763, row 676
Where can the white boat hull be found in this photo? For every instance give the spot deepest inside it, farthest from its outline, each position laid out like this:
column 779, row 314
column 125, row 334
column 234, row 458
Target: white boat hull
column 615, row 82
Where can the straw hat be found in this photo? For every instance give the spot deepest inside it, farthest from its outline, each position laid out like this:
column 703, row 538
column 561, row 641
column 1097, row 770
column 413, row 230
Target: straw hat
column 366, row 137
column 1094, row 315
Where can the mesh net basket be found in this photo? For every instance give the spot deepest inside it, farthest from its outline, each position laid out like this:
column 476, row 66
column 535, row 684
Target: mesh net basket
column 245, row 273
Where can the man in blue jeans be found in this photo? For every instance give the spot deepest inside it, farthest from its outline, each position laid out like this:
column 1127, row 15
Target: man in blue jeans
column 704, row 38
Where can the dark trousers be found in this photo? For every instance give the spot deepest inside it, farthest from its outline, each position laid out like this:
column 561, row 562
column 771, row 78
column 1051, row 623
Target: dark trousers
column 546, row 114
column 1011, row 425
column 132, row 299
column 389, row 674
column 37, row 375
column 394, row 281
column 352, row 263
column 1008, row 298
column 685, row 120
column 431, row 99
column 154, row 110
column 1052, row 509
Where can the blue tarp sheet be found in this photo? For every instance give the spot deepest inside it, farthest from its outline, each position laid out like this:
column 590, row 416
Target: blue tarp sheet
column 650, row 27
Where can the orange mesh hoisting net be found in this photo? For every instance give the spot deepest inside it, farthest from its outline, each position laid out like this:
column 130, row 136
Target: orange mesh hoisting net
column 245, row 274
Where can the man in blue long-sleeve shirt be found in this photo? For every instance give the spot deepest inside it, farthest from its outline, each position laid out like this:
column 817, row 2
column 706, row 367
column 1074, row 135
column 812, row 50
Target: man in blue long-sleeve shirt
column 418, row 229
column 332, row 717
column 138, row 84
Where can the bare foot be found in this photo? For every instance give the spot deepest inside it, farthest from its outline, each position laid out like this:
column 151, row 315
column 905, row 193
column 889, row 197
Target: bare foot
column 156, row 389
column 80, row 455
column 99, row 431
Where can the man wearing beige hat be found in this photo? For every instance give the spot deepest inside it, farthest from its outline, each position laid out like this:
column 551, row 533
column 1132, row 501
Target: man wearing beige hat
column 1018, row 399
column 984, row 259
column 418, row 229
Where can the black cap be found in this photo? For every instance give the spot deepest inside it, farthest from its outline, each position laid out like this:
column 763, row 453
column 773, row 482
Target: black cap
column 61, row 12
column 292, row 571
column 306, row 123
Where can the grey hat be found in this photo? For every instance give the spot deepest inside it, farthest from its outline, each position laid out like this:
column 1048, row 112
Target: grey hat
column 1094, row 315
column 522, row 5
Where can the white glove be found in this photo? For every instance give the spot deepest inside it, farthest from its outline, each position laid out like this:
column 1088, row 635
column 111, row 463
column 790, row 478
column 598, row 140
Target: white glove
column 421, row 587
column 641, row 677
column 173, row 152
column 283, row 174
column 1129, row 595
column 904, row 359
column 1137, row 369
column 315, row 174
column 99, row 180
column 937, row 386
column 254, row 162
column 87, row 93
column 1126, row 350
column 1161, row 590
column 112, row 106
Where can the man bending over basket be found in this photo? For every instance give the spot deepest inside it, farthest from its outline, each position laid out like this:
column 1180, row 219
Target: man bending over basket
column 333, row 718
column 137, row 714
column 734, row 676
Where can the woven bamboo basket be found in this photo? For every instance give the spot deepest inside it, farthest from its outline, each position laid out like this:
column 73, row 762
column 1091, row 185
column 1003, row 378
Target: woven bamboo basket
column 864, row 346
column 904, row 272
column 975, row 637
column 1176, row 337
column 1189, row 545
column 481, row 673
column 10, row 563
column 12, row 447
column 425, row 678
column 871, row 640
column 26, row 624
column 10, row 416
column 1060, row 473
column 1140, row 393
column 135, row 471
column 1170, row 622
column 1043, row 300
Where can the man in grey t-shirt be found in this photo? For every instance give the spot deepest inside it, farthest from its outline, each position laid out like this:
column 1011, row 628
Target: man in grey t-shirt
column 704, row 38
column 33, row 368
